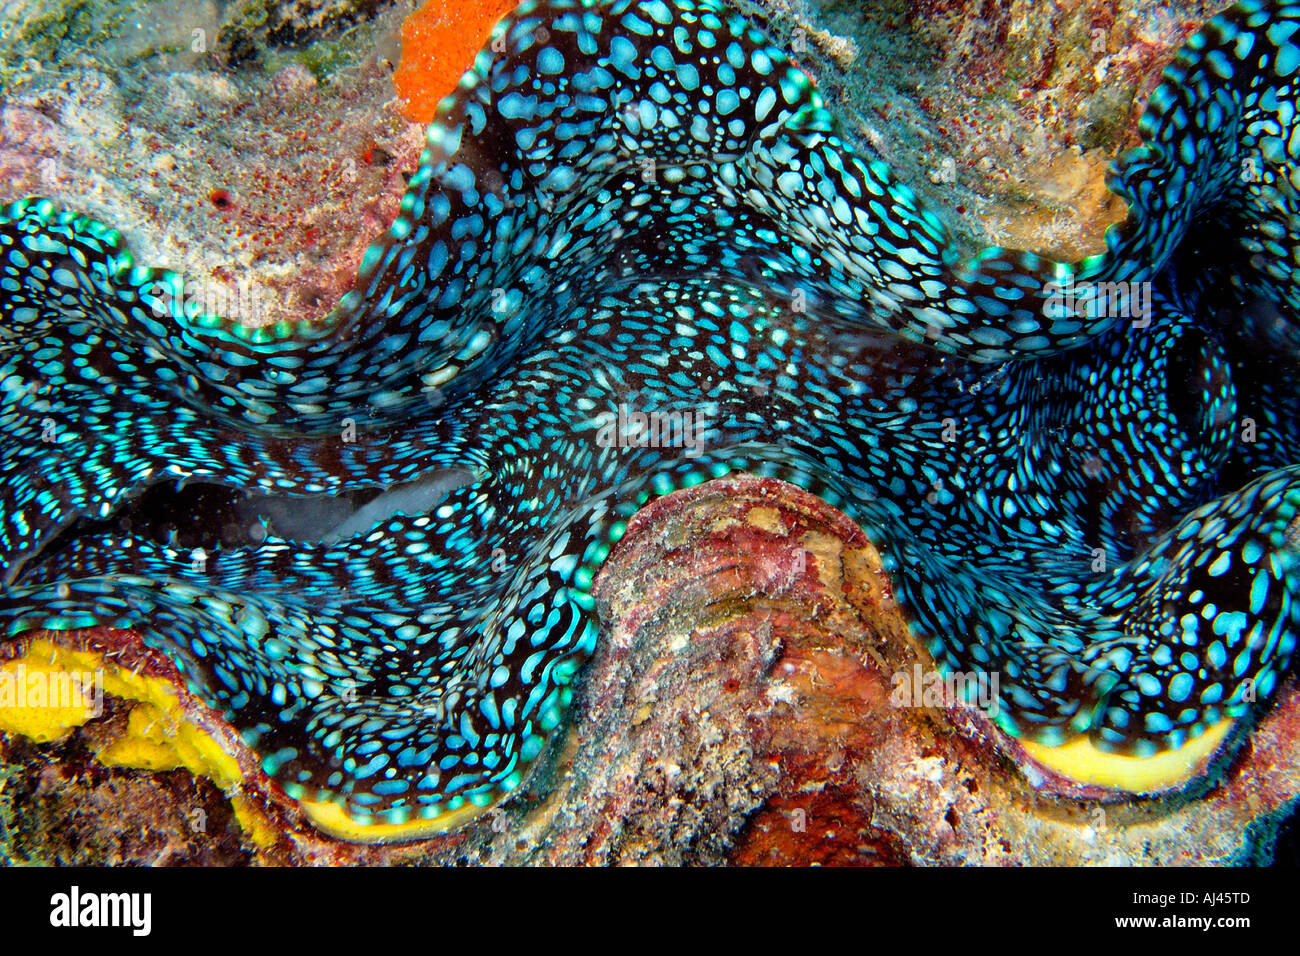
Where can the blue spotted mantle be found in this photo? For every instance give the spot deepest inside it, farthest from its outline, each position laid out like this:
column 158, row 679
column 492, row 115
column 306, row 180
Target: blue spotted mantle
column 370, row 541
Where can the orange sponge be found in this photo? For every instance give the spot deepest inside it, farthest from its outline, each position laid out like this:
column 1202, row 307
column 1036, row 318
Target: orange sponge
column 439, row 42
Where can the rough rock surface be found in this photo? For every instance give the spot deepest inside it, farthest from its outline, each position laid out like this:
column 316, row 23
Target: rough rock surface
column 1004, row 113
